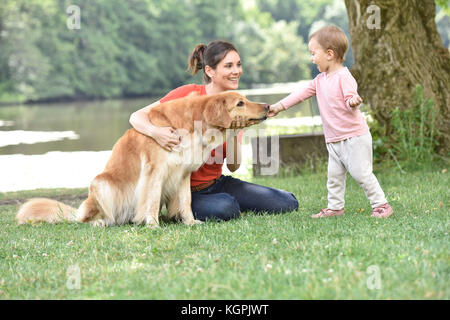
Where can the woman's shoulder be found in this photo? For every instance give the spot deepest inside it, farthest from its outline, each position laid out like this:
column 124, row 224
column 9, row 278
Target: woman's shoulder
column 183, row 91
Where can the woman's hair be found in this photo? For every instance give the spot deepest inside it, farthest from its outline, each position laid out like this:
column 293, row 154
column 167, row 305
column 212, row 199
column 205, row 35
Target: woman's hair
column 332, row 38
column 208, row 55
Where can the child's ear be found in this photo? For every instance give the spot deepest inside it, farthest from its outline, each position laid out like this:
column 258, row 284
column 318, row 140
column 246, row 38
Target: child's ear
column 330, row 54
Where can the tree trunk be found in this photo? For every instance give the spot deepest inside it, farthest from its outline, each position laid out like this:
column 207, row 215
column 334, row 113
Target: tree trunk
column 395, row 53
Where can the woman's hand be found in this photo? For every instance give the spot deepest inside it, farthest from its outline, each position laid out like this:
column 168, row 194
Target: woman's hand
column 166, row 137
column 238, row 122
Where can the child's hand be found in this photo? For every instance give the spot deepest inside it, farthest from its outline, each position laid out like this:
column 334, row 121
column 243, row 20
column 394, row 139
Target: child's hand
column 275, row 109
column 355, row 101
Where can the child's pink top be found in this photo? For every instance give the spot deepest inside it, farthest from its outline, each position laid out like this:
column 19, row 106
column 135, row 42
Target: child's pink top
column 333, row 91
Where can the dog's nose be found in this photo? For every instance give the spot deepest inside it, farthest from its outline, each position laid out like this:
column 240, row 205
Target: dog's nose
column 266, row 107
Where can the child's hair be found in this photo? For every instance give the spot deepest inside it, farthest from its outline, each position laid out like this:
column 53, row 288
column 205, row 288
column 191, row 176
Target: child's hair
column 332, row 38
column 208, row 55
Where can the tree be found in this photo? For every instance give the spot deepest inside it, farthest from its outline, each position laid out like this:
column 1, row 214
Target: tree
column 300, row 11
column 129, row 48
column 271, row 54
column 396, row 46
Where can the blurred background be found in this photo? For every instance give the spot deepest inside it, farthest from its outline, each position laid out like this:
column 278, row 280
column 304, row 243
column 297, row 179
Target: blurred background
column 140, row 47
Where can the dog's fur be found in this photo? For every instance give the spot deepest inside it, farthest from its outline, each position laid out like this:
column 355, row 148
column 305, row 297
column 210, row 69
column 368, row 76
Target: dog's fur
column 141, row 176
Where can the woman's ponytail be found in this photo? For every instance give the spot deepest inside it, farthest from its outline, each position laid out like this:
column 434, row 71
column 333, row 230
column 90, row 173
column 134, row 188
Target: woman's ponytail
column 195, row 62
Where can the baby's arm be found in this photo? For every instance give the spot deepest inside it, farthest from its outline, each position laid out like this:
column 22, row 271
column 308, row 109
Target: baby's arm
column 349, row 88
column 303, row 93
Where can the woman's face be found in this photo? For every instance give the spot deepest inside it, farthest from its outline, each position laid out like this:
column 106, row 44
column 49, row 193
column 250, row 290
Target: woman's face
column 227, row 73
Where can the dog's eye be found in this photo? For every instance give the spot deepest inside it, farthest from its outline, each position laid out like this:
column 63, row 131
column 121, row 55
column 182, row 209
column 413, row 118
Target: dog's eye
column 240, row 104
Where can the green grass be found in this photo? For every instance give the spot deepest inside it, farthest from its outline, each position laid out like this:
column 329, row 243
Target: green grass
column 288, row 256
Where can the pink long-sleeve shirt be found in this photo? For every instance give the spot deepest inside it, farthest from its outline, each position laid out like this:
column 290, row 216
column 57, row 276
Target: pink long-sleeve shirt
column 333, row 92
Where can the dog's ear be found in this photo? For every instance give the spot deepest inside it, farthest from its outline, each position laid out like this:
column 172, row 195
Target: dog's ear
column 216, row 113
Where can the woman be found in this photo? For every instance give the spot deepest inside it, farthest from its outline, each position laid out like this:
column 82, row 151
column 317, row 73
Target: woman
column 215, row 196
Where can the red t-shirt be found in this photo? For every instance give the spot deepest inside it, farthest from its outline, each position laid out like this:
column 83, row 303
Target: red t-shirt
column 207, row 172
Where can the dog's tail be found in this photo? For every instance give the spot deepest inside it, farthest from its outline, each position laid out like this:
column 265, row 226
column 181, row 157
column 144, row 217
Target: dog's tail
column 41, row 209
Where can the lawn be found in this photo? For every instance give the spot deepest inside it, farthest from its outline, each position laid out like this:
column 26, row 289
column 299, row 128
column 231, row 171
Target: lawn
column 288, row 256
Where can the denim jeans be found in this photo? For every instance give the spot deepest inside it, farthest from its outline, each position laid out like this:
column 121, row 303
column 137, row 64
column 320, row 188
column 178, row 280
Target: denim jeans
column 228, row 197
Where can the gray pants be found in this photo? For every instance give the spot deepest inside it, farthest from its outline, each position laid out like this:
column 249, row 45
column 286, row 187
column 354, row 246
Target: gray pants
column 355, row 156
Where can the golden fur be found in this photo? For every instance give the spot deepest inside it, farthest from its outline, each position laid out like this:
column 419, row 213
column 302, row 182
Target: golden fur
column 140, row 176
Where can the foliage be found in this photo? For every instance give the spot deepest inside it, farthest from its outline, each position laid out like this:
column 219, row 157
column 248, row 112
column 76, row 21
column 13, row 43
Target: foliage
column 114, row 53
column 129, row 48
column 309, row 16
column 415, row 135
column 444, row 4
column 267, row 50
column 379, row 139
column 305, row 13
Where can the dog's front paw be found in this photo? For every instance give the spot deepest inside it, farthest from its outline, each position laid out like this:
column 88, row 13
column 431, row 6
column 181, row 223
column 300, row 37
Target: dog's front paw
column 99, row 223
column 151, row 222
column 193, row 222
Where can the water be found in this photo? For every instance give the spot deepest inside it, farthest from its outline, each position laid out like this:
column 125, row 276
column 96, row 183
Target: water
column 62, row 145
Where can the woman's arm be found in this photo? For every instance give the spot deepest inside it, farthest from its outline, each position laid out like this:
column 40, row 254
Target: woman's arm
column 164, row 136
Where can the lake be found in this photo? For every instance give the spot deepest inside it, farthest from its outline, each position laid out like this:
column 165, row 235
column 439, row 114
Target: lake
column 57, row 145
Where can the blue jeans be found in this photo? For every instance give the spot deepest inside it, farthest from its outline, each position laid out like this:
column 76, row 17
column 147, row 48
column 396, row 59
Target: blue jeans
column 228, row 197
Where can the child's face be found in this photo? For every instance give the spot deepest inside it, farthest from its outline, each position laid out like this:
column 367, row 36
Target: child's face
column 319, row 56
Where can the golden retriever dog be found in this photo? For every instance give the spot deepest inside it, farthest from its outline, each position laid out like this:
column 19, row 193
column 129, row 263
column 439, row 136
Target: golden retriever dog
column 141, row 176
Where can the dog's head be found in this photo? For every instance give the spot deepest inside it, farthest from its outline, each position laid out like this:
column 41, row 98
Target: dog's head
column 222, row 108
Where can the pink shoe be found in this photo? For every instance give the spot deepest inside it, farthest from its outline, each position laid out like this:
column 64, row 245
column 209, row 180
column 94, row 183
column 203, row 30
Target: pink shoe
column 325, row 213
column 383, row 211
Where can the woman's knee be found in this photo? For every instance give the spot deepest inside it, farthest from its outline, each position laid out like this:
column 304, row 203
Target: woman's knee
column 284, row 202
column 224, row 207
column 289, row 203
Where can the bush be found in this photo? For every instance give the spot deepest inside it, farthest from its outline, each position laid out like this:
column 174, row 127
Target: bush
column 414, row 139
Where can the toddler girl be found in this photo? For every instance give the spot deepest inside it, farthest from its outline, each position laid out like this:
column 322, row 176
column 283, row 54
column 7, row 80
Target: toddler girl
column 347, row 135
